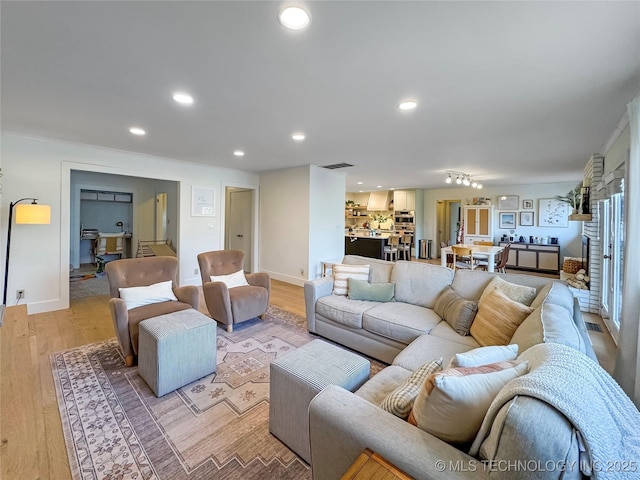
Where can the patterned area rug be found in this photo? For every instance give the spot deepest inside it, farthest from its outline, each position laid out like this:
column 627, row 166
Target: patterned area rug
column 216, row 427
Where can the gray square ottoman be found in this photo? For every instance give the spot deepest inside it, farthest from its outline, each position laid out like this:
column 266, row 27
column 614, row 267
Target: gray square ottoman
column 176, row 349
column 298, row 377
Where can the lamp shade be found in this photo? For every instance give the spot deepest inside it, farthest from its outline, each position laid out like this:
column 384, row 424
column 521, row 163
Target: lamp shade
column 34, row 214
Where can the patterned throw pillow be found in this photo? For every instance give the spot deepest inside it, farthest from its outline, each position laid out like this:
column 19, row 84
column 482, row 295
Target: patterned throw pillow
column 452, row 404
column 497, row 319
column 517, row 293
column 400, row 401
column 456, row 310
column 342, row 273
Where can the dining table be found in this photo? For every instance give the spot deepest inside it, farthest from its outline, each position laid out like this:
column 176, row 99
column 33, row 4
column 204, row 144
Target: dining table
column 479, row 251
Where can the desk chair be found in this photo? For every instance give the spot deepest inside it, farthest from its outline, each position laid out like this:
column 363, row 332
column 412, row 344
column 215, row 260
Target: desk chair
column 109, row 244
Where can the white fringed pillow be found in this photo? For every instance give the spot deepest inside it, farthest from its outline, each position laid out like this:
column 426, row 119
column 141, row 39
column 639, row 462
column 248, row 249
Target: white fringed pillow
column 484, row 355
column 139, row 296
column 342, row 273
column 232, row 280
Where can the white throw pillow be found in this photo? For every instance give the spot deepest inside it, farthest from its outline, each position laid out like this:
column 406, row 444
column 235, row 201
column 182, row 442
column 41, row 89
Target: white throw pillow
column 342, row 273
column 517, row 293
column 232, row 280
column 484, row 356
column 140, row 296
column 452, row 404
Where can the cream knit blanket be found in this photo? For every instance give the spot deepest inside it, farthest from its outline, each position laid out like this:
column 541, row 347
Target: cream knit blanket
column 574, row 384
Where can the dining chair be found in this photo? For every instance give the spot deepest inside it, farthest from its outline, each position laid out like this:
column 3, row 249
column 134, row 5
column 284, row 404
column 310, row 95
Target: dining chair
column 391, row 248
column 449, row 256
column 500, row 261
column 465, row 255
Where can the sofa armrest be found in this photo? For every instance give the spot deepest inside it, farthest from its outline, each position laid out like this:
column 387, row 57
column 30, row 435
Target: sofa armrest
column 342, row 425
column 578, row 319
column 313, row 290
column 188, row 294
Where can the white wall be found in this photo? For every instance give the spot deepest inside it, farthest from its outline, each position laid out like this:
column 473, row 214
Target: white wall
column 618, row 153
column 42, row 168
column 569, row 237
column 284, row 224
column 326, row 217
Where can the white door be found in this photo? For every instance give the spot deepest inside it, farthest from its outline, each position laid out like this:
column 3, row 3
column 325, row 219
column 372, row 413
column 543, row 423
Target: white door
column 239, row 220
column 612, row 225
column 161, row 217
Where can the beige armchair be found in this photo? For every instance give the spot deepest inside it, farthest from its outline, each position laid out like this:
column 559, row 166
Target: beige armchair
column 232, row 305
column 140, row 272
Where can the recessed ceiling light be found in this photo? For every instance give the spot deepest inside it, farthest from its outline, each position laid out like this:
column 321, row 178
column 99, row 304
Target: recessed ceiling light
column 407, row 105
column 137, row 131
column 360, row 183
column 183, row 98
column 298, row 136
column 379, row 186
column 239, row 153
column 294, row 18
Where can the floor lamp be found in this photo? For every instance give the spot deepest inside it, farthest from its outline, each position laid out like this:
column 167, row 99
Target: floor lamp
column 30, row 213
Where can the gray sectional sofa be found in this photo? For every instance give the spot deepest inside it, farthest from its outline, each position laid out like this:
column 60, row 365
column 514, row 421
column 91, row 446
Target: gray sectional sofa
column 525, row 435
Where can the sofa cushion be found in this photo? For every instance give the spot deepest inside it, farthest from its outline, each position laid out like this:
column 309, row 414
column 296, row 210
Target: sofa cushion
column 455, row 310
column 379, row 270
column 427, row 347
column 557, row 294
column 444, row 330
column 518, row 293
column 343, row 310
column 498, row 318
column 383, row 383
column 399, row 321
column 400, row 401
column 420, row 283
column 342, row 273
column 549, row 323
column 374, row 292
column 471, row 283
column 485, row 355
column 452, row 404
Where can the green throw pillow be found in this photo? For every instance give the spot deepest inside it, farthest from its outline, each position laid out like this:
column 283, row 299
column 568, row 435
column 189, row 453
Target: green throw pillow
column 375, row 292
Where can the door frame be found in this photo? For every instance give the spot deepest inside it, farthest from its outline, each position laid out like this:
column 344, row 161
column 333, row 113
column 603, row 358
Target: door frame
column 255, row 214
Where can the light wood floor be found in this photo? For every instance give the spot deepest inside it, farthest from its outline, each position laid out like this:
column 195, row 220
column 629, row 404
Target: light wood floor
column 32, row 444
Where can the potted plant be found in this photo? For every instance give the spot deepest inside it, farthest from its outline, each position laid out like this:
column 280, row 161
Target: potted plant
column 573, row 197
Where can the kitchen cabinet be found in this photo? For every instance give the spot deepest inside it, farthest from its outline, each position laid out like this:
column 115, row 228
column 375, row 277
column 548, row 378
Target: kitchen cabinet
column 478, row 223
column 533, row 256
column 404, row 200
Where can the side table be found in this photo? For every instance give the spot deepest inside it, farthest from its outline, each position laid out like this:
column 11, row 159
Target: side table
column 371, row 465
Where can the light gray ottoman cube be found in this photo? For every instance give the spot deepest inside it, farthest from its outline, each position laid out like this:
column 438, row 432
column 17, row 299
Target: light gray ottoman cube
column 176, row 349
column 299, row 376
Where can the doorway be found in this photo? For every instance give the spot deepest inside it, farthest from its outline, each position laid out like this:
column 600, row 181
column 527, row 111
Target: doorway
column 239, row 220
column 448, row 218
column 161, row 216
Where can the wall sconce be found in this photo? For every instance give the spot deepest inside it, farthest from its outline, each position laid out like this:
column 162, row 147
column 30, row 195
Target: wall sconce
column 30, row 214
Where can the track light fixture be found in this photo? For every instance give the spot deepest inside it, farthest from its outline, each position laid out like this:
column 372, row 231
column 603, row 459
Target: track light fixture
column 462, row 179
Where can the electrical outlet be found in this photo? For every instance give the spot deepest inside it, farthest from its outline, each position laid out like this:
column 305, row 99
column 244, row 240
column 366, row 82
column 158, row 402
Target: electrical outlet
column 302, row 271
column 19, row 294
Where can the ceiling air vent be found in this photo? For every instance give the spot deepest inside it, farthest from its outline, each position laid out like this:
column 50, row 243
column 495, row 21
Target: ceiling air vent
column 337, row 165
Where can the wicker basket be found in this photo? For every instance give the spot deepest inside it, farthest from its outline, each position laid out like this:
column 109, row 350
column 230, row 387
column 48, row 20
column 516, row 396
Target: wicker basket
column 572, row 265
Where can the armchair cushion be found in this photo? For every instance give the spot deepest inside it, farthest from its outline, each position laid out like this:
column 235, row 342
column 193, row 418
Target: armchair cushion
column 236, row 279
column 139, row 296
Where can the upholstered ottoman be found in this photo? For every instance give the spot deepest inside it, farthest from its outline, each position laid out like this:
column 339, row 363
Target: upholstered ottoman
column 298, row 377
column 176, row 349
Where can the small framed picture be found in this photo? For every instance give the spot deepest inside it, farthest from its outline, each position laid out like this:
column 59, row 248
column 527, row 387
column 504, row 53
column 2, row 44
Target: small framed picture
column 203, row 202
column 527, row 205
column 526, row 218
column 508, row 220
column 507, row 202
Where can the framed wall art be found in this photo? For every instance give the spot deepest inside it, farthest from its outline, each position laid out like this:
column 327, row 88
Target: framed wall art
column 527, row 204
column 553, row 213
column 203, row 202
column 526, row 219
column 507, row 202
column 508, row 220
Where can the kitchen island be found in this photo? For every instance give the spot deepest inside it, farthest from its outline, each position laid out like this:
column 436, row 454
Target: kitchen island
column 366, row 245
